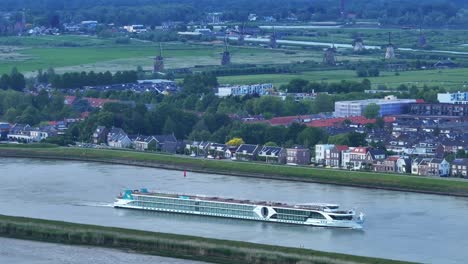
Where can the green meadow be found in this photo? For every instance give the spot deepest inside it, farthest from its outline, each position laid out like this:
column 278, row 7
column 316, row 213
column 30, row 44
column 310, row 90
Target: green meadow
column 452, row 79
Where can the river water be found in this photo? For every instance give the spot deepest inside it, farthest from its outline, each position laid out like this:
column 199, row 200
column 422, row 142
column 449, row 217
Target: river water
column 399, row 225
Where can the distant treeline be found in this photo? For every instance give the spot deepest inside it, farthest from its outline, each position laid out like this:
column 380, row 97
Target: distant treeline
column 434, row 13
column 81, row 79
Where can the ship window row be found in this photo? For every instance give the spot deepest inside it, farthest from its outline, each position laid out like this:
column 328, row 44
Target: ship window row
column 313, row 215
column 292, row 218
column 194, row 202
column 166, row 206
column 226, row 212
column 292, row 212
column 224, row 205
column 193, row 208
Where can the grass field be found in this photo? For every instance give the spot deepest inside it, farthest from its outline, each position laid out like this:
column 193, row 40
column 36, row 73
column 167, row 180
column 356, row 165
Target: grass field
column 86, row 53
column 452, row 79
column 363, row 179
column 438, row 39
column 171, row 245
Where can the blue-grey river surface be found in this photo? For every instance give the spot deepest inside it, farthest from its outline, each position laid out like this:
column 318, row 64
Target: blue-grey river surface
column 399, row 225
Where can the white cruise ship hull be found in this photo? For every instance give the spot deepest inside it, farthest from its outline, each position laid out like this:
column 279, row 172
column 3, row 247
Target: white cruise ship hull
column 257, row 214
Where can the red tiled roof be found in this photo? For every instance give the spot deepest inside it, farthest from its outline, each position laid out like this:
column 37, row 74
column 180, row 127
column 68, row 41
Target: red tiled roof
column 69, row 99
column 98, row 102
column 283, row 121
column 341, row 148
column 360, row 120
column 393, row 158
column 361, row 150
column 84, row 115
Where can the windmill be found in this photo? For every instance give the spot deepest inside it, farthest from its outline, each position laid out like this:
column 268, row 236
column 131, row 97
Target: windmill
column 390, row 51
column 329, row 56
column 241, row 38
column 158, row 65
column 273, row 39
column 226, row 57
column 422, row 41
column 358, row 45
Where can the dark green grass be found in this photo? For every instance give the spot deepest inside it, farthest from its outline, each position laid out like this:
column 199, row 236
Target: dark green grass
column 171, row 245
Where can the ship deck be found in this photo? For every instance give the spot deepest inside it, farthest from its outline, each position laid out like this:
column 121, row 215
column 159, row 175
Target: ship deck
column 319, row 207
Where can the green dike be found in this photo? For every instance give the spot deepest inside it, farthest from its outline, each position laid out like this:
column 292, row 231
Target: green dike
column 170, row 245
column 330, row 176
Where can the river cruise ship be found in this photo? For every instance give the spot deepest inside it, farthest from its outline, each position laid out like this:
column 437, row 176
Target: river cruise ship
column 324, row 215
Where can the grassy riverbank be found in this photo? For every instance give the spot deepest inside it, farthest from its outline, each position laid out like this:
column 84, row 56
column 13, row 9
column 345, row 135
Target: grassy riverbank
column 341, row 177
column 170, row 245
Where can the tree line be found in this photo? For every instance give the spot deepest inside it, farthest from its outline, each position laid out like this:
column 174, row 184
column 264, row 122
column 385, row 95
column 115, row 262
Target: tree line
column 435, row 13
column 70, row 80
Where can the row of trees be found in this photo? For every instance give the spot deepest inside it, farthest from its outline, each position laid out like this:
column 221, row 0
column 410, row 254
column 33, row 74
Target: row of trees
column 16, row 107
column 78, row 80
column 304, row 86
column 15, row 81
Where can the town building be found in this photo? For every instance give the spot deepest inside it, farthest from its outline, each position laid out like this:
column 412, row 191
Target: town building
column 388, row 165
column 403, row 165
column 453, row 98
column 271, row 154
column 320, row 152
column 4, row 130
column 459, row 168
column 247, row 152
column 430, row 167
column 333, row 156
column 358, row 158
column 100, row 135
column 298, row 156
column 390, row 105
column 434, row 109
column 38, row 134
column 240, row 90
column 117, row 138
column 20, row 133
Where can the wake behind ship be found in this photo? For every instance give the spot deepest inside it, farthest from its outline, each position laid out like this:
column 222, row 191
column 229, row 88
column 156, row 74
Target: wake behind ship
column 324, row 215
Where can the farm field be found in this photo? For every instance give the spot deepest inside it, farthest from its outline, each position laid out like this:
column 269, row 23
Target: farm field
column 86, row 53
column 450, row 78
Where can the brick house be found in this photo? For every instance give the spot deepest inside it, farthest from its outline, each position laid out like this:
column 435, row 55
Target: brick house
column 298, row 155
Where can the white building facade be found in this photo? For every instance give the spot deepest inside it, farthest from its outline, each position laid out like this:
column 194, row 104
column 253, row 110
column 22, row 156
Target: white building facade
column 453, row 98
column 240, row 90
column 390, row 105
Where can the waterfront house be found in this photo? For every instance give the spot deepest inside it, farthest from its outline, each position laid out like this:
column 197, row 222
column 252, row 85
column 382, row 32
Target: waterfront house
column 357, row 158
column 298, row 156
column 168, row 143
column 403, row 165
column 4, row 130
column 247, row 152
column 419, row 166
column 333, row 156
column 271, row 154
column 117, row 138
column 438, row 167
column 41, row 133
column 430, row 167
column 386, row 165
column 100, row 135
column 219, row 151
column 320, row 152
column 20, row 133
column 459, row 168
column 143, row 143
